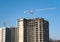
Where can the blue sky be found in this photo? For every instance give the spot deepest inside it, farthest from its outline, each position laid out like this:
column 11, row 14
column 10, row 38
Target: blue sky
column 11, row 10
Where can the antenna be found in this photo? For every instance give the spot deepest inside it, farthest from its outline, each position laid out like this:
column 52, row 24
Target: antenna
column 36, row 10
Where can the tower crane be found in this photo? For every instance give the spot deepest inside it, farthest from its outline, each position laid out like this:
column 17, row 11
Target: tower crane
column 4, row 23
column 37, row 10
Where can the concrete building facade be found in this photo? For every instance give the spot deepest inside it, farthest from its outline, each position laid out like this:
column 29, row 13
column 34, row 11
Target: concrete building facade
column 5, row 34
column 13, row 34
column 33, row 30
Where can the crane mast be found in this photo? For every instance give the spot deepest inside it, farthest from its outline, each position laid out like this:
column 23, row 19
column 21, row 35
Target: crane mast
column 4, row 24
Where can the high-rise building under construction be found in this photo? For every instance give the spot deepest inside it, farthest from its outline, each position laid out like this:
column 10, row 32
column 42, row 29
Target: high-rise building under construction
column 33, row 30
